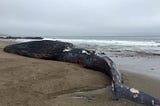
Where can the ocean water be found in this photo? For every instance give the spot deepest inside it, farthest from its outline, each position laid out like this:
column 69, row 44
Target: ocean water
column 105, row 44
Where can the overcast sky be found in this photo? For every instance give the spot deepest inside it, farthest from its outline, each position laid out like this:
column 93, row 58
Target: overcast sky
column 80, row 17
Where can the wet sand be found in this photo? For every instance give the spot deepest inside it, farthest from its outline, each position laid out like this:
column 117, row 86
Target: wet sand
column 35, row 82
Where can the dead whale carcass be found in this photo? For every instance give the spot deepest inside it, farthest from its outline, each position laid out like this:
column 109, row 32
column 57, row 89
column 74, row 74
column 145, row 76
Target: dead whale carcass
column 63, row 51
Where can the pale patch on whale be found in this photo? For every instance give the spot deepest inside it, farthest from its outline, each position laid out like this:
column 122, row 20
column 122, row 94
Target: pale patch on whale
column 67, row 49
column 133, row 90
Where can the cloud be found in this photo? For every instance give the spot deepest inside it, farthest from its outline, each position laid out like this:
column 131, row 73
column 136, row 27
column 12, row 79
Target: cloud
column 79, row 17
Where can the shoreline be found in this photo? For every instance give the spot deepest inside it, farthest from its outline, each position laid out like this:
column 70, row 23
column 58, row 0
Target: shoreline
column 143, row 65
column 35, row 82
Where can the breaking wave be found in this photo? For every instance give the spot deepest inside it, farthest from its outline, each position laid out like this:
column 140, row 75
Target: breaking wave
column 109, row 42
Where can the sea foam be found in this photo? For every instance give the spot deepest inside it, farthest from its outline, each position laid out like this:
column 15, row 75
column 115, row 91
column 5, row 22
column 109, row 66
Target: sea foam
column 109, row 42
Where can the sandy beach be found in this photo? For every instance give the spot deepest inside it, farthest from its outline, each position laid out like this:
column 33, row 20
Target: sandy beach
column 34, row 82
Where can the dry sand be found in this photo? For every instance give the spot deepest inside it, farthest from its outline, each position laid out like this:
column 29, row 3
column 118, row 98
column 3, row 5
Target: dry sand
column 35, row 82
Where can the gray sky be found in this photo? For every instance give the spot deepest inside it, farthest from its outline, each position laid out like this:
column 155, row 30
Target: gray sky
column 80, row 17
